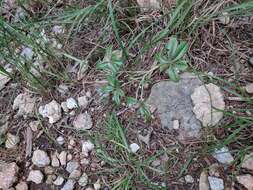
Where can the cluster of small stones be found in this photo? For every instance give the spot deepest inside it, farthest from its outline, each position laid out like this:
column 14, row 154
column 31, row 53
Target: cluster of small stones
column 44, row 167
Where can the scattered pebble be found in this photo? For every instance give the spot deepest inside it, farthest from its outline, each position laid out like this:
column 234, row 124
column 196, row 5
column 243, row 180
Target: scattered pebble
column 72, row 113
column 147, row 5
column 87, row 146
column 63, row 158
column 58, row 29
column 69, row 185
column 203, row 181
column 223, row 155
column 205, row 98
column 134, row 147
column 176, row 124
column 248, row 162
column 59, row 181
column 71, row 103
column 225, row 19
column 25, row 105
column 189, row 179
column 85, row 161
column 48, row 170
column 156, row 163
column 145, row 138
column 82, row 101
column 21, row 186
column 75, row 174
column 52, row 111
column 35, row 176
column 60, row 140
column 71, row 166
column 27, row 53
column 8, row 174
column 69, row 157
column 216, row 183
column 63, row 89
column 83, row 122
column 72, row 142
column 246, row 180
column 54, row 160
column 97, row 185
column 50, row 179
column 11, row 141
column 249, row 88
column 40, row 158
column 64, row 107
column 214, row 170
column 90, row 188
column 83, row 181
column 34, row 125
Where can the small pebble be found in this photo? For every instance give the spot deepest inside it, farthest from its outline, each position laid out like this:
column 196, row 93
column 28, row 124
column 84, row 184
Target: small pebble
column 83, row 181
column 176, row 124
column 97, row 185
column 69, row 185
column 85, row 161
column 134, row 147
column 63, row 158
column 35, row 176
column 59, row 181
column 40, row 158
column 69, row 157
column 189, row 179
column 216, row 183
column 71, row 166
column 54, row 160
column 60, row 140
column 34, row 125
column 11, row 141
column 82, row 101
column 71, row 103
column 156, row 163
column 75, row 174
column 64, row 107
column 87, row 146
column 50, row 179
column 249, row 88
column 48, row 170
column 21, row 186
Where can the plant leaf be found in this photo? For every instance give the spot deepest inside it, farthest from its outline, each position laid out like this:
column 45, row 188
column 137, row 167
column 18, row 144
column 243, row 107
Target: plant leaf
column 181, row 50
column 173, row 74
column 181, row 65
column 172, row 46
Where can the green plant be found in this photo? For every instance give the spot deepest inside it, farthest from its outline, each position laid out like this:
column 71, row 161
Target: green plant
column 111, row 65
column 172, row 61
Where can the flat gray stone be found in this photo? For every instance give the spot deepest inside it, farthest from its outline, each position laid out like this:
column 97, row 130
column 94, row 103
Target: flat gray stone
column 216, row 183
column 172, row 101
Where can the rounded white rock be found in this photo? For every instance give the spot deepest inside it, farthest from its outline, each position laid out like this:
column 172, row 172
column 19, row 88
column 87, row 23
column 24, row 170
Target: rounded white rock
column 134, row 147
column 35, row 176
column 71, row 103
column 40, row 158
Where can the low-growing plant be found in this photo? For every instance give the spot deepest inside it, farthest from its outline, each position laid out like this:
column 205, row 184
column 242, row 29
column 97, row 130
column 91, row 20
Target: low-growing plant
column 111, row 65
column 172, row 61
